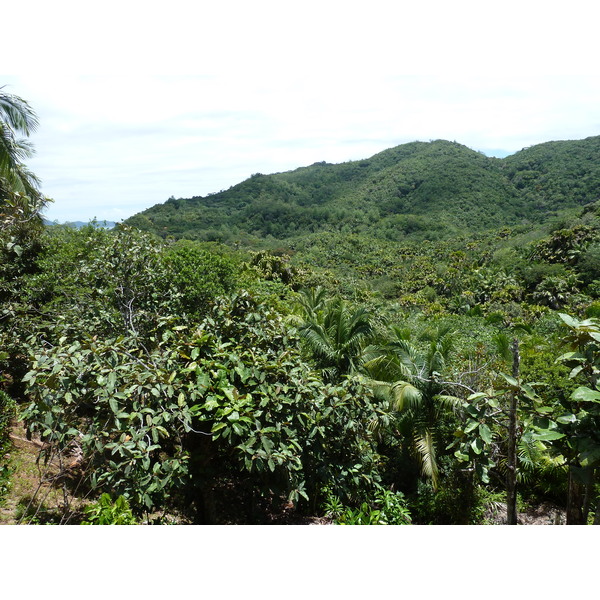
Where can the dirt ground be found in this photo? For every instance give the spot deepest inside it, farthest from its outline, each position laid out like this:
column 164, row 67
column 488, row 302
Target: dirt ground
column 545, row 513
column 37, row 493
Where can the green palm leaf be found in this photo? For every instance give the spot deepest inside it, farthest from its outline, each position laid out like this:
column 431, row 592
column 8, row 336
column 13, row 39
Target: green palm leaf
column 425, row 447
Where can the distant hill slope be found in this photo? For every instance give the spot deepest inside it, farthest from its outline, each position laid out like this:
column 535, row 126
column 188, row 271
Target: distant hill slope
column 556, row 175
column 80, row 224
column 420, row 190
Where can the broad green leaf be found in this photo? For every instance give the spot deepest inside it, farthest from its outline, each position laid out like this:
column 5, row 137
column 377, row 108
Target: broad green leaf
column 510, row 380
column 477, row 445
column 529, row 392
column 267, row 444
column 476, row 396
column 569, row 321
column 590, row 456
column 111, row 381
column 471, row 425
column 482, row 472
column 576, row 371
column 461, row 456
column 566, row 419
column 485, row 433
column 570, row 356
column 585, row 394
column 472, row 410
column 547, row 435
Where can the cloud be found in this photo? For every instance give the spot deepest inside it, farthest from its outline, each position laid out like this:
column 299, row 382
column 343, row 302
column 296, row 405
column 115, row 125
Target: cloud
column 110, row 145
column 269, row 86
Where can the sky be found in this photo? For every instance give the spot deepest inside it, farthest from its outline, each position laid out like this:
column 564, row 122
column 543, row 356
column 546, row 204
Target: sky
column 139, row 102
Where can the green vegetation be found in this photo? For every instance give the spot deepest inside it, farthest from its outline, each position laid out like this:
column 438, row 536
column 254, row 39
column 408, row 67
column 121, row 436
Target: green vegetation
column 107, row 512
column 417, row 191
column 412, row 338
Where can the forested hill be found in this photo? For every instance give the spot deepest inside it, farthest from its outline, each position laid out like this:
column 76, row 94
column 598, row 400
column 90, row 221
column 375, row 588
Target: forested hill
column 420, row 190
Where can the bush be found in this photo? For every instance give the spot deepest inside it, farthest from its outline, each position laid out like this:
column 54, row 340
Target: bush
column 107, row 512
column 383, row 508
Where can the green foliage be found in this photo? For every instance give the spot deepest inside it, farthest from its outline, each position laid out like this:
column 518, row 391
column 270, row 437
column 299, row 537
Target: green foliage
column 102, row 281
column 285, row 426
column 274, row 268
column 20, row 198
column 589, row 264
column 456, row 502
column 7, row 413
column 136, row 408
column 577, row 428
column 336, row 335
column 385, row 508
column 474, row 438
column 550, row 174
column 121, row 403
column 197, row 275
column 410, row 381
column 107, row 512
column 417, row 190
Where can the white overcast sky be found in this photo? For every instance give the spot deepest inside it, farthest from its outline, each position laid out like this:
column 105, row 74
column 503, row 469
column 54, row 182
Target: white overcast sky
column 140, row 101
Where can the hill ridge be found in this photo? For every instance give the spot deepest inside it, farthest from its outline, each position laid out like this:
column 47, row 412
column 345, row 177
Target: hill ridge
column 417, row 190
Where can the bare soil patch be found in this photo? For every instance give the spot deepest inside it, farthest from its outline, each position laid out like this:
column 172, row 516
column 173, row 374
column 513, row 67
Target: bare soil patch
column 38, row 492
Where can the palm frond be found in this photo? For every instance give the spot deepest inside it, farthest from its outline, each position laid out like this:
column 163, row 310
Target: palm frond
column 502, row 346
column 425, row 447
column 448, row 402
column 17, row 113
column 405, row 395
column 317, row 340
column 386, row 367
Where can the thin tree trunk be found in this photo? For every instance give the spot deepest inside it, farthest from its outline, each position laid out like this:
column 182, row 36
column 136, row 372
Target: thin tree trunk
column 511, row 473
column 589, row 492
column 597, row 515
column 575, row 500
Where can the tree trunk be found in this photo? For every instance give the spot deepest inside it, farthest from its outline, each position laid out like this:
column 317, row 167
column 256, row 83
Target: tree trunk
column 597, row 515
column 511, row 472
column 589, row 492
column 575, row 500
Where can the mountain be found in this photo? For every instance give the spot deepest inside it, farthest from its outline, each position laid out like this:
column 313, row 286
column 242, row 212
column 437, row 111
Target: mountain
column 419, row 190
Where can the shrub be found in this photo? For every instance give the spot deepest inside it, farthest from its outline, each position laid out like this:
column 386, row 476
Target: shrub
column 107, row 512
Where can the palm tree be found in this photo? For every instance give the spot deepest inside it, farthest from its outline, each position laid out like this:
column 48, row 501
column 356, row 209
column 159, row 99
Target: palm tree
column 311, row 301
column 335, row 334
column 411, row 384
column 20, row 197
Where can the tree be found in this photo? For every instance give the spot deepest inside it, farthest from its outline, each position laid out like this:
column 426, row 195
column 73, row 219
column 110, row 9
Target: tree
column 336, row 336
column 411, row 381
column 580, row 424
column 20, row 197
